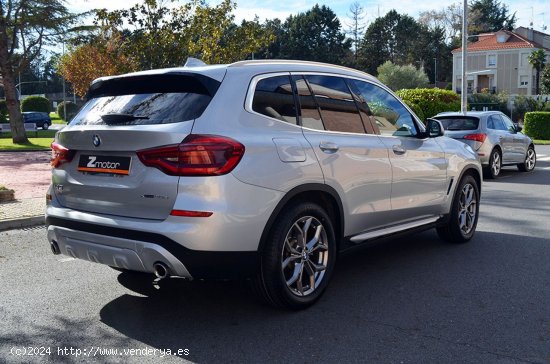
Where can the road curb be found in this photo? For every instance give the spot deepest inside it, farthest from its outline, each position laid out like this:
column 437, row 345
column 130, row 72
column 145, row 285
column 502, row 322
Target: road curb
column 22, row 222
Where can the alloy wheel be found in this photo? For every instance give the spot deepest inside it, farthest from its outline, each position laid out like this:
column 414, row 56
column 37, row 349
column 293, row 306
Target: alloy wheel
column 530, row 159
column 467, row 209
column 305, row 256
column 495, row 165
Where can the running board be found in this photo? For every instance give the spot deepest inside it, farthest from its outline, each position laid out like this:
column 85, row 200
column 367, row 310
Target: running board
column 393, row 229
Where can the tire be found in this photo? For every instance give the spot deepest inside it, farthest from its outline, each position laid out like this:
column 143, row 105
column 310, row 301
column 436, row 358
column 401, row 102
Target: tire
column 295, row 270
column 530, row 160
column 45, row 126
column 464, row 213
column 492, row 171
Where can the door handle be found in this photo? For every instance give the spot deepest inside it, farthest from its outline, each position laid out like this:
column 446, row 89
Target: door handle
column 328, row 147
column 397, row 149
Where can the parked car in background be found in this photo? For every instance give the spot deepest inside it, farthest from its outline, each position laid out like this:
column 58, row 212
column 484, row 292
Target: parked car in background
column 41, row 119
column 496, row 139
column 259, row 169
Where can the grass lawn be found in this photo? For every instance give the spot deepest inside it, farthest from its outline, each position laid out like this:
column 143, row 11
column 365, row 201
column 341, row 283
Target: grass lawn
column 41, row 141
column 56, row 119
column 541, row 142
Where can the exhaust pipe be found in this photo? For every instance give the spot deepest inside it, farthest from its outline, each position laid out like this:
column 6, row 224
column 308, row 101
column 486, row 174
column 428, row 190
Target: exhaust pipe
column 161, row 270
column 55, row 248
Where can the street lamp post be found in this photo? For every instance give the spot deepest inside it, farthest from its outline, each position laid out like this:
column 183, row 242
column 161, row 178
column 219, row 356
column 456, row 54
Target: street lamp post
column 464, row 93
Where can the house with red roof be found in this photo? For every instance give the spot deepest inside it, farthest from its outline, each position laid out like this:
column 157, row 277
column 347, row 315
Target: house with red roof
column 498, row 61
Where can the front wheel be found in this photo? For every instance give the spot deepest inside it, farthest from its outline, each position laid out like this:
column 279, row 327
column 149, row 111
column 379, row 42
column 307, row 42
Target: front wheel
column 464, row 213
column 530, row 160
column 297, row 258
column 45, row 126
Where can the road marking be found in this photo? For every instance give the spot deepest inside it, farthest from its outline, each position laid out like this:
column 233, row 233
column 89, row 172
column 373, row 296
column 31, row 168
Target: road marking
column 544, row 159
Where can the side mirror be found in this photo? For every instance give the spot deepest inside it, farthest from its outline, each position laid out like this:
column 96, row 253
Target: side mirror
column 434, row 128
column 518, row 128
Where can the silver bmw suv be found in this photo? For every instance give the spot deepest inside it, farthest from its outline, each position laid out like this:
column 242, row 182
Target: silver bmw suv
column 264, row 170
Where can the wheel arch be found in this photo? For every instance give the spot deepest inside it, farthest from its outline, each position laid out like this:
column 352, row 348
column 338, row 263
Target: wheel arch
column 322, row 194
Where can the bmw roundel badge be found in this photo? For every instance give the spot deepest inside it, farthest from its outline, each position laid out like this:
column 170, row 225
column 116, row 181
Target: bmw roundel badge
column 96, row 140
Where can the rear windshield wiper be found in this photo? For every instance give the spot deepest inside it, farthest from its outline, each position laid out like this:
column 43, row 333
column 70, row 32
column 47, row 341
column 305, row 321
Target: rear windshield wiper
column 115, row 118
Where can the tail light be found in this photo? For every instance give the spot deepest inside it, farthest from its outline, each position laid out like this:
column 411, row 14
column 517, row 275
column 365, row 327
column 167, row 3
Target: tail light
column 60, row 155
column 196, row 155
column 476, row 137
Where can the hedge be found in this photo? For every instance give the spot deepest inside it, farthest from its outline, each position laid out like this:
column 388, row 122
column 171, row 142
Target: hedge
column 537, row 125
column 72, row 110
column 35, row 103
column 417, row 110
column 431, row 101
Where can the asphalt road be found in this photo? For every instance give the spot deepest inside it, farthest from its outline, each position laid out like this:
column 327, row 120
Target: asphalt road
column 411, row 300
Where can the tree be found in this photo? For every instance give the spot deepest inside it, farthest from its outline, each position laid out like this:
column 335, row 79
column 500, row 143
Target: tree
column 25, row 26
column 545, row 80
column 315, row 35
column 356, row 28
column 402, row 77
column 485, row 16
column 83, row 64
column 166, row 36
column 538, row 60
column 449, row 19
column 394, row 37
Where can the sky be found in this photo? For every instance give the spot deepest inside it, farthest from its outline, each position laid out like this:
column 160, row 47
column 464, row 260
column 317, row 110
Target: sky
column 527, row 11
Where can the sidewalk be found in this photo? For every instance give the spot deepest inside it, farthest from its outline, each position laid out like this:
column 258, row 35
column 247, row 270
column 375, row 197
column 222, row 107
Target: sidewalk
column 29, row 174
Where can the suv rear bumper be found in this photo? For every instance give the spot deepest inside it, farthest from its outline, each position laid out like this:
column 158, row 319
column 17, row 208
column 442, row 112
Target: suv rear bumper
column 139, row 251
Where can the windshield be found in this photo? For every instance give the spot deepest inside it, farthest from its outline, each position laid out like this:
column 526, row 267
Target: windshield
column 459, row 123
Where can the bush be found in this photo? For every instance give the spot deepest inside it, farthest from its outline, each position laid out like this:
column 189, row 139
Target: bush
column 493, row 102
column 525, row 104
column 537, row 125
column 72, row 110
column 431, row 101
column 35, row 103
column 401, row 77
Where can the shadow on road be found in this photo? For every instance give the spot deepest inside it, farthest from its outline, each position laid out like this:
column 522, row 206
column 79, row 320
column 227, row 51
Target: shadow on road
column 440, row 301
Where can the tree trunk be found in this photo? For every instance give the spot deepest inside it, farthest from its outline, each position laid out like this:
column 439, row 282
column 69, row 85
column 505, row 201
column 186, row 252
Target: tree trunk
column 12, row 100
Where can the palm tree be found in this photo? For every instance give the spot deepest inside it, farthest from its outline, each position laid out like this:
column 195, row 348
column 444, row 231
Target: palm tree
column 538, row 60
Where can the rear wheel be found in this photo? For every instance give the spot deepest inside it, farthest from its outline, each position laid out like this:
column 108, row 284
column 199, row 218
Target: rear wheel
column 464, row 213
column 530, row 160
column 492, row 171
column 298, row 258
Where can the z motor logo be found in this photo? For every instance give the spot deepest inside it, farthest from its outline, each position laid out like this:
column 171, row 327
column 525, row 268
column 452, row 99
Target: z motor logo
column 104, row 164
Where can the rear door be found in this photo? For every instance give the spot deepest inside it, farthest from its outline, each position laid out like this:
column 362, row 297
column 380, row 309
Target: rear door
column 354, row 161
column 98, row 165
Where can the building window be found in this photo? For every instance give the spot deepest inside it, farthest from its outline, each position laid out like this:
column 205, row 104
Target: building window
column 491, row 60
column 523, row 81
column 523, row 60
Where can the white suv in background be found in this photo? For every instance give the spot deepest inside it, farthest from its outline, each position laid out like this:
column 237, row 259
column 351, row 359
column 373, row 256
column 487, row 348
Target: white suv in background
column 259, row 169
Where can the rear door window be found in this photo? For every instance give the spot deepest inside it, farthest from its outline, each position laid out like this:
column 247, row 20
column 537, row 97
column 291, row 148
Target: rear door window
column 309, row 111
column 338, row 109
column 273, row 97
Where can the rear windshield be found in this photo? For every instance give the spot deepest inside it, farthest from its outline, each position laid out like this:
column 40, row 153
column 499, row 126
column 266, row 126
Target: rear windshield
column 459, row 123
column 159, row 99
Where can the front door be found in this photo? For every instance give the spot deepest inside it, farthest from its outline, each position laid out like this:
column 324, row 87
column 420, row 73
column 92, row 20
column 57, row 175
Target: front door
column 419, row 165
